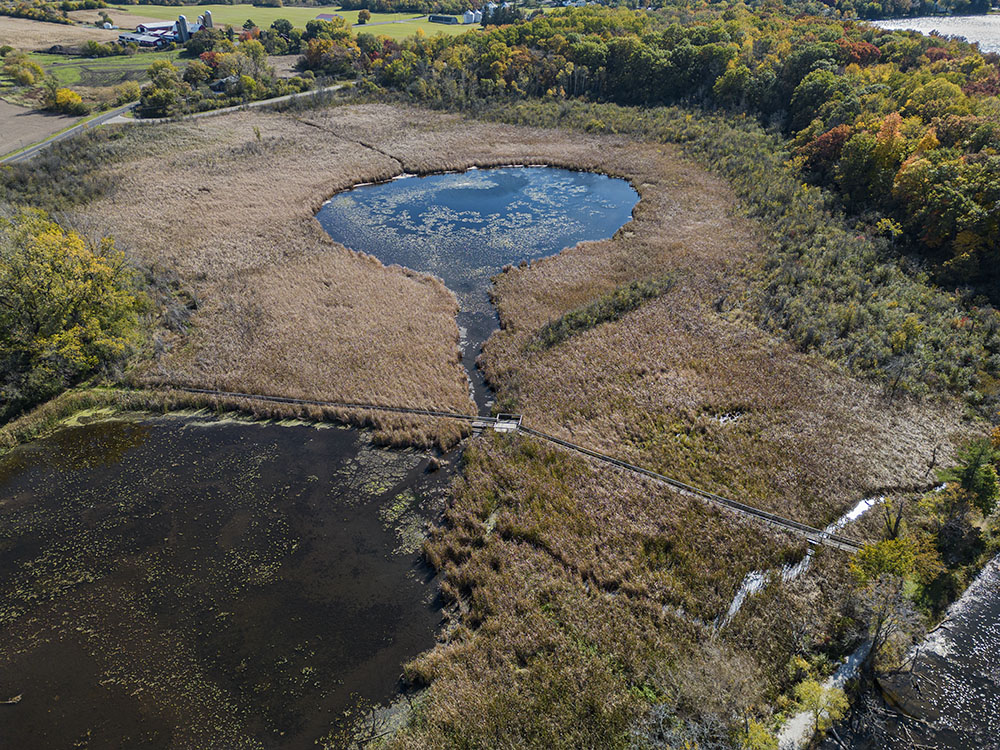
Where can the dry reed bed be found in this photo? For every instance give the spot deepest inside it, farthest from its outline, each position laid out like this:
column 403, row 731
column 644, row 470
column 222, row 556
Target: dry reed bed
column 720, row 405
column 566, row 578
column 286, row 311
column 283, row 310
column 618, row 534
column 228, row 203
column 579, row 592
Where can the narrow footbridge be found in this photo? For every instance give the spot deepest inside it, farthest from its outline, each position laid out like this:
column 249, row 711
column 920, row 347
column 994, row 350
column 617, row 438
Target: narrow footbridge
column 510, row 423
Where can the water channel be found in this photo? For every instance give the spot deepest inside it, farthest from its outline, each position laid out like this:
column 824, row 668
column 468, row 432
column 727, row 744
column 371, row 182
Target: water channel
column 186, row 581
column 464, row 227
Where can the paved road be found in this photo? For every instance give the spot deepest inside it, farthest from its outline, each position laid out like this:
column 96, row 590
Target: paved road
column 117, row 117
column 97, row 121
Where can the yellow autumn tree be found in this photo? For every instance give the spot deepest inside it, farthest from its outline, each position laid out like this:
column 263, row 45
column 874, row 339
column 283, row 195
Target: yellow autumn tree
column 825, row 705
column 67, row 307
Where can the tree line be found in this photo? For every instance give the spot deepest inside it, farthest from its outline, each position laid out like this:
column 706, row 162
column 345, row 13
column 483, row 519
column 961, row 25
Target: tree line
column 903, row 128
column 229, row 67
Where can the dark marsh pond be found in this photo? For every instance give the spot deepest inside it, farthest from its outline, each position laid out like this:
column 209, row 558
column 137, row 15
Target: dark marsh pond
column 188, row 583
column 465, row 227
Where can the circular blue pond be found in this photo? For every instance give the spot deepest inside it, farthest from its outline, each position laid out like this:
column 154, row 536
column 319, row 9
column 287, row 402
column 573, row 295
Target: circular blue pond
column 464, row 228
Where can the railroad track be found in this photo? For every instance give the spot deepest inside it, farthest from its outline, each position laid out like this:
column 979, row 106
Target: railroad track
column 509, row 423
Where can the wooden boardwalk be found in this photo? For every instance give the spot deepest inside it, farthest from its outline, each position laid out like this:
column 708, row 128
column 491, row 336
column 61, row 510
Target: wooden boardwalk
column 512, row 423
column 813, row 535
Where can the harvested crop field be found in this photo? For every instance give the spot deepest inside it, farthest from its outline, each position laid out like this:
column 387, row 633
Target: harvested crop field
column 123, row 19
column 20, row 126
column 26, row 34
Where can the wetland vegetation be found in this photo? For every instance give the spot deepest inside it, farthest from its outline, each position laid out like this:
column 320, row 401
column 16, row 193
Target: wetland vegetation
column 781, row 321
column 291, row 312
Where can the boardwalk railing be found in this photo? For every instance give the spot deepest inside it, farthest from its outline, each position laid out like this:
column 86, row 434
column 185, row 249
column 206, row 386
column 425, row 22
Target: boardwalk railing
column 814, row 535
column 512, row 423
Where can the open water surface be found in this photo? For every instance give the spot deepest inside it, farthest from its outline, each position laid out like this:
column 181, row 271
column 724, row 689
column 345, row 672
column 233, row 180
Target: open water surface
column 951, row 699
column 178, row 582
column 465, row 227
column 982, row 29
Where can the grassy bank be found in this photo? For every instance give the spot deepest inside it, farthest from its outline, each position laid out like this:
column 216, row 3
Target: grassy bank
column 388, row 430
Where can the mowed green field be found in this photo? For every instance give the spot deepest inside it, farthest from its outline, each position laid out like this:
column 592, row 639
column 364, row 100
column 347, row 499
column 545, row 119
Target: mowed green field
column 405, row 29
column 101, row 71
column 236, row 15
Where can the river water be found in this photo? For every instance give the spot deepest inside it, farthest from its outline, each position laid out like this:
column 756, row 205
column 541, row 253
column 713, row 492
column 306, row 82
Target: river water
column 951, row 700
column 191, row 583
column 985, row 30
column 465, row 227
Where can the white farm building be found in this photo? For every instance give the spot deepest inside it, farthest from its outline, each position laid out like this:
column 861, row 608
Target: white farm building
column 159, row 33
